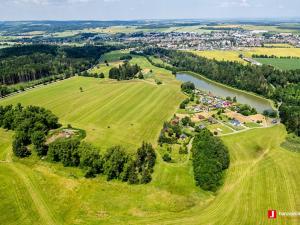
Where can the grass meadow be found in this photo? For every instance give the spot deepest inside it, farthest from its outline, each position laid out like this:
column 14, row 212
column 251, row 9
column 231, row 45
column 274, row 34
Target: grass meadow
column 283, row 64
column 111, row 112
column 262, row 175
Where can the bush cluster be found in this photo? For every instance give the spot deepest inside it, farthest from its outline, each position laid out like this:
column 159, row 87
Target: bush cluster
column 246, row 110
column 184, row 103
column 188, row 87
column 124, row 72
column 31, row 125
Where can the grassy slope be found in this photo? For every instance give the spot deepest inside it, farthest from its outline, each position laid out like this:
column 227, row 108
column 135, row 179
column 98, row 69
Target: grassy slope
column 284, row 64
column 262, row 176
column 134, row 110
column 5, row 147
column 103, row 68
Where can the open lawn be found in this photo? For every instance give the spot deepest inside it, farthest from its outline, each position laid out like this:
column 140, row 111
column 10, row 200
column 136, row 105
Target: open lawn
column 252, row 125
column 114, row 55
column 262, row 176
column 220, row 128
column 5, row 143
column 283, row 64
column 103, row 68
column 111, row 112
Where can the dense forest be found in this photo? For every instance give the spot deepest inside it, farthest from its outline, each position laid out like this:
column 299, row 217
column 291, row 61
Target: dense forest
column 124, row 72
column 210, row 159
column 263, row 80
column 31, row 62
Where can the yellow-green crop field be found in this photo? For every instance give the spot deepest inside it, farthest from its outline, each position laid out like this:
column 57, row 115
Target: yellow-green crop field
column 220, row 55
column 231, row 55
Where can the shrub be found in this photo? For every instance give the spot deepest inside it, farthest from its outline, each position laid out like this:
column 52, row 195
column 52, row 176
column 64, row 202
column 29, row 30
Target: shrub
column 188, row 87
column 158, row 82
column 167, row 158
column 183, row 150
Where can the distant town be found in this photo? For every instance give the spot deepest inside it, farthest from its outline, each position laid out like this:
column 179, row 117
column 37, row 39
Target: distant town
column 221, row 39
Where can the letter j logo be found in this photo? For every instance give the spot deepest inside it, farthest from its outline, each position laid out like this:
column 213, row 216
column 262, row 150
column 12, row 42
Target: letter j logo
column 272, row 214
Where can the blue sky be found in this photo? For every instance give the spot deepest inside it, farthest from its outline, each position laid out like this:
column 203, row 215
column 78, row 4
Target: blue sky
column 146, row 9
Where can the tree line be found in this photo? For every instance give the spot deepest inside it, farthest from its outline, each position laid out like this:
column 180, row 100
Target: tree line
column 210, row 160
column 7, row 90
column 31, row 125
column 274, row 56
column 264, row 80
column 115, row 163
column 124, row 72
column 31, row 62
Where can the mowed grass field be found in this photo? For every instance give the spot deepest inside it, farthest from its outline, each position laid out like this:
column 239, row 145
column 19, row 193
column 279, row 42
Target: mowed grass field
column 283, row 64
column 112, row 113
column 261, row 176
column 103, row 68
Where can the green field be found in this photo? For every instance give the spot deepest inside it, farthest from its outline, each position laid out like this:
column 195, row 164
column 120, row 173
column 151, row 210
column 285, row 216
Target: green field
column 220, row 128
column 103, row 68
column 114, row 55
column 252, row 125
column 283, row 64
column 262, row 175
column 231, row 55
column 221, row 55
column 111, row 112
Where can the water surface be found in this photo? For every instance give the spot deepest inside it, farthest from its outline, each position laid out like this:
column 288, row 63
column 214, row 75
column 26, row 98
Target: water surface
column 258, row 103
